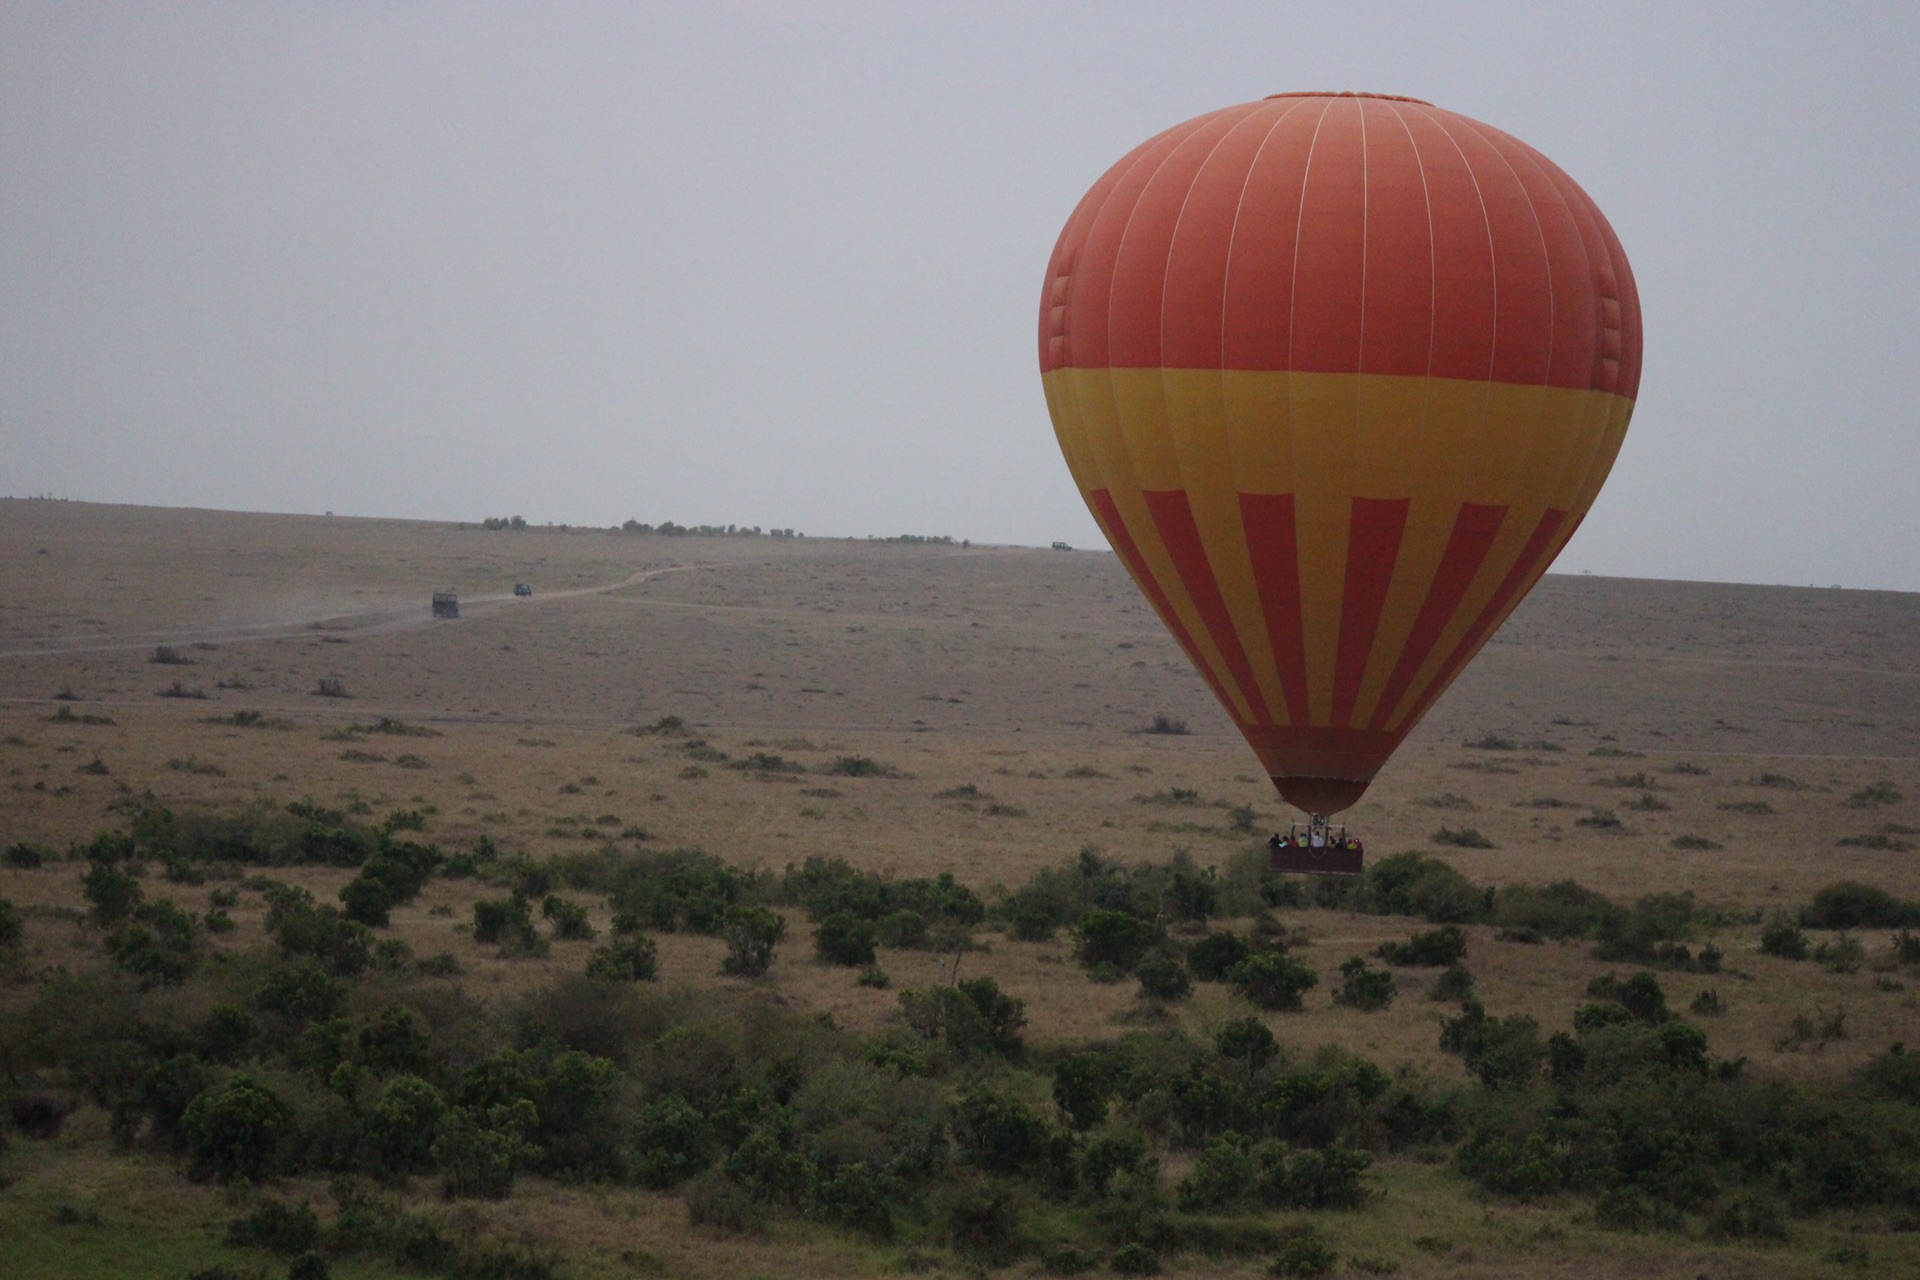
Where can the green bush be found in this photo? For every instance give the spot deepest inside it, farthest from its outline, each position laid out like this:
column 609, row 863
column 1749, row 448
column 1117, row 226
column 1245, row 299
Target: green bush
column 751, row 933
column 320, row 933
column 156, row 945
column 1436, row 948
column 1274, row 982
column 569, row 918
column 1213, row 957
column 1246, row 1042
column 302, row 991
column 1113, row 938
column 480, row 1152
column 508, row 924
column 1454, row 983
column 633, row 958
column 1226, row 1176
column 234, row 1130
column 112, row 892
column 1134, row 1259
column 1163, row 978
column 1505, row 1054
column 671, row 1143
column 844, row 939
column 999, row 1133
column 1082, row 1083
column 685, row 891
column 1304, row 1253
column 974, row 1019
column 1363, row 988
column 401, row 1122
column 1641, row 996
column 1848, row 904
column 279, row 1225
column 25, row 857
column 1784, row 940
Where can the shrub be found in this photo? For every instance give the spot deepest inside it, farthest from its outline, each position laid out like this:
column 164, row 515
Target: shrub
column 1273, row 981
column 479, row 1152
column 1163, row 978
column 844, row 939
column 684, row 891
column 1224, row 1177
column 1113, row 937
column 1848, row 904
column 234, row 1130
column 633, row 958
column 1640, row 995
column 302, row 991
column 278, row 1225
column 401, row 1122
column 24, row 856
column 1329, row 1178
column 875, row 977
column 1211, row 958
column 1135, row 1258
column 156, row 945
column 1747, row 1217
column 368, row 900
column 1784, row 940
column 569, row 918
column 1363, row 988
column 904, row 929
column 112, row 892
column 751, row 934
column 1464, row 838
column 671, row 1142
column 1304, row 1253
column 1454, row 983
column 973, row 1019
column 1436, row 948
column 1413, row 884
column 1843, row 955
column 997, row 1132
column 507, row 923
column 860, row 767
column 1082, row 1083
column 1504, row 1054
column 1874, row 795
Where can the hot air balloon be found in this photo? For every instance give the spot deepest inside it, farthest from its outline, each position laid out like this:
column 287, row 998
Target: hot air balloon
column 1338, row 375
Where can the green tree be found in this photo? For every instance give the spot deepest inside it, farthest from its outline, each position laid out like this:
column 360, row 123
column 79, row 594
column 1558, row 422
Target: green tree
column 233, row 1130
column 1273, row 981
column 751, row 933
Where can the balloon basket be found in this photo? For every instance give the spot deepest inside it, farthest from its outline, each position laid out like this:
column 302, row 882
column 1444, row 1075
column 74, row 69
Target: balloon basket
column 1316, row 849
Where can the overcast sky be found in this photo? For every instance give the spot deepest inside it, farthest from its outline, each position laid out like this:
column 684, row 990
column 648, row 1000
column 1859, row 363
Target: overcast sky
column 779, row 263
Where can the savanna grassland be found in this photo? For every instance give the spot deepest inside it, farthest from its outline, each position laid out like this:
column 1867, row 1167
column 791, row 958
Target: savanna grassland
column 739, row 905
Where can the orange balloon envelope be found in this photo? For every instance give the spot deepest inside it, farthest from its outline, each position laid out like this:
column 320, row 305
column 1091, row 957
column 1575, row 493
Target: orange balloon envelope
column 1338, row 375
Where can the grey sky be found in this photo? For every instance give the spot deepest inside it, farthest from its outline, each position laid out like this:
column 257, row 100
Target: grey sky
column 779, row 263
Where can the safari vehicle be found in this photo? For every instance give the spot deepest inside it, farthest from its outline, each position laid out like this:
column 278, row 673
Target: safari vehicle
column 1315, row 847
column 523, row 588
column 446, row 604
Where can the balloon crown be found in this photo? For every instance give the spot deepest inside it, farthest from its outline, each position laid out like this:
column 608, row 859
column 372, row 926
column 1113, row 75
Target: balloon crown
column 1317, row 93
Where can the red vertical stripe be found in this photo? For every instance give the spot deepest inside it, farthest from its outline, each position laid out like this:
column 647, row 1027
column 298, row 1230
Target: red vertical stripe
column 1397, row 306
column 1173, row 516
column 1373, row 544
column 1532, row 562
column 1330, row 263
column 1124, row 546
column 1473, row 533
column 1274, row 547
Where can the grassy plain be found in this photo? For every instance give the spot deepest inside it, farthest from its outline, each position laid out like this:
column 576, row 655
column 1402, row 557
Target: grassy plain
column 1003, row 691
